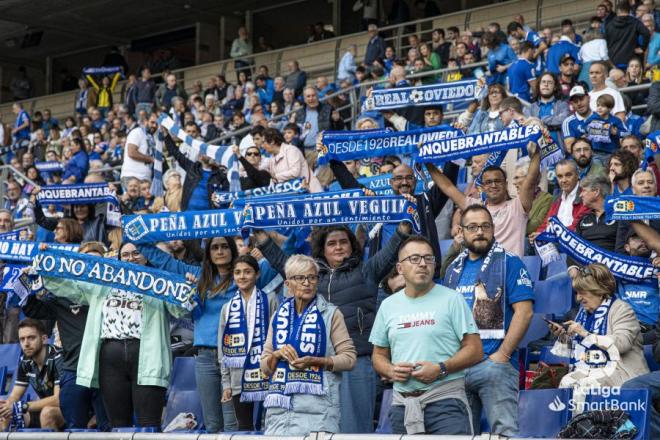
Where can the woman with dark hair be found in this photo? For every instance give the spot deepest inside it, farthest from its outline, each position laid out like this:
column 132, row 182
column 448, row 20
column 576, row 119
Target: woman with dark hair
column 215, row 285
column 241, row 337
column 133, row 376
column 500, row 57
column 549, row 106
column 351, row 284
column 288, row 161
column 486, row 117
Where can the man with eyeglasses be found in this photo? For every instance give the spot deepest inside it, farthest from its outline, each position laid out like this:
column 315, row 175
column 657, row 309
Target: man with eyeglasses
column 498, row 289
column 583, row 154
column 424, row 338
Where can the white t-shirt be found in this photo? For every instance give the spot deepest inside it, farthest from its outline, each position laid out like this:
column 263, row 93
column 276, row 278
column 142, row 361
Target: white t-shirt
column 122, row 315
column 618, row 100
column 133, row 168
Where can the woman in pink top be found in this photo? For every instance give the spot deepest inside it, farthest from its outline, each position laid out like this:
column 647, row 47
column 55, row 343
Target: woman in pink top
column 287, row 161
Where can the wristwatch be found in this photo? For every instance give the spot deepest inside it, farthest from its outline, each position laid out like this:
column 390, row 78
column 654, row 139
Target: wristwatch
column 26, row 407
column 443, row 370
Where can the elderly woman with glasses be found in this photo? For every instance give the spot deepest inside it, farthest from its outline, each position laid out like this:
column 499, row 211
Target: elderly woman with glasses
column 307, row 346
column 604, row 341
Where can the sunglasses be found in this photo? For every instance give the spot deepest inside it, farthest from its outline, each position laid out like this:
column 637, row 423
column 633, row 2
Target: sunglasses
column 253, row 153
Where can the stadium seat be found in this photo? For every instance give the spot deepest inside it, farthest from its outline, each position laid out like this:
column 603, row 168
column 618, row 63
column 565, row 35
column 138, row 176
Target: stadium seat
column 444, row 247
column 34, row 430
column 542, row 413
column 384, row 426
column 637, row 405
column 533, row 265
column 183, row 401
column 556, row 267
column 135, row 429
column 549, row 358
column 183, row 374
column 553, row 295
column 650, row 360
column 537, row 329
column 3, row 380
column 9, row 355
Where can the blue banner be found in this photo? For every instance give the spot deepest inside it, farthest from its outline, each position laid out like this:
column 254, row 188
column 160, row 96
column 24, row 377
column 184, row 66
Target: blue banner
column 480, row 143
column 381, row 185
column 350, row 145
column 324, row 212
column 165, row 286
column 10, row 274
column 273, row 198
column 83, row 194
column 16, row 234
column 186, row 225
column 432, row 94
column 627, row 207
column 102, row 70
column 291, row 186
column 633, row 269
column 26, row 250
column 49, row 167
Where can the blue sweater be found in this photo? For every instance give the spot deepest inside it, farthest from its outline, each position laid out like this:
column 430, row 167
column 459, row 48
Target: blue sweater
column 207, row 315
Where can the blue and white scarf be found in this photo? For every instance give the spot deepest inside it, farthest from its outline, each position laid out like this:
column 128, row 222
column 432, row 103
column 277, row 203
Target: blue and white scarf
column 25, row 251
column 432, row 94
column 595, row 323
column 307, row 334
column 351, row 145
column 157, row 181
column 629, row 207
column 49, row 167
column 623, row 267
column 10, row 274
column 293, row 186
column 164, row 286
column 382, row 186
column 102, row 70
column 82, row 194
column 324, row 212
column 221, row 154
column 236, row 353
column 15, row 234
column 274, row 198
column 475, row 144
column 185, row 225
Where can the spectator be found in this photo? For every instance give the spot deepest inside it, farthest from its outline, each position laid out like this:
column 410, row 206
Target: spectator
column 21, row 131
column 287, row 161
column 625, row 36
column 621, row 166
column 40, row 367
column 431, row 58
column 314, row 118
column 139, row 151
column 602, row 129
column 145, row 93
column 21, row 85
column 252, row 176
column 486, row 117
column 573, row 126
column 169, row 90
column 593, row 227
column 568, row 30
column 371, row 11
column 411, row 362
column 324, row 87
column 6, row 221
column 308, row 412
column 632, row 144
column 500, row 57
column 320, row 33
column 587, row 164
column 104, row 91
column 548, row 106
column 593, row 49
column 173, row 190
column 597, row 75
column 498, row 288
column 347, row 66
column 559, row 51
column 128, row 94
column 524, row 33
column 635, row 77
column 241, row 49
column 653, row 53
column 296, row 79
column 375, row 46
column 567, row 75
column 440, row 46
column 522, row 75
column 542, row 199
column 595, row 286
column 77, row 167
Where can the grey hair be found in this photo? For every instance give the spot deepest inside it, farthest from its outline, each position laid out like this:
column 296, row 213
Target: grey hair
column 599, row 182
column 640, row 171
column 569, row 162
column 298, row 263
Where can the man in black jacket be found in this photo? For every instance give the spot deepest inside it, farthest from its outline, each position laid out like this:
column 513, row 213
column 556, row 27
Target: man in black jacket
column 623, row 36
column 314, row 118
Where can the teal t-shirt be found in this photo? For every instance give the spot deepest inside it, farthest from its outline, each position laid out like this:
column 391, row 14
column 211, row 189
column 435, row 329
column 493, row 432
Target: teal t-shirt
column 427, row 328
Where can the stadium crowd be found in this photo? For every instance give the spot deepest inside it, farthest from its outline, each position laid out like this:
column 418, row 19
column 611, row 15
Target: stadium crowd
column 381, row 307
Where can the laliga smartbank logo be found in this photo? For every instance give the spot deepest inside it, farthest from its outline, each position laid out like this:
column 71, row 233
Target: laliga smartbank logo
column 612, row 404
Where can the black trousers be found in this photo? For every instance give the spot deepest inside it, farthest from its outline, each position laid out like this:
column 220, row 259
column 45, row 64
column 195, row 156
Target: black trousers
column 244, row 413
column 122, row 396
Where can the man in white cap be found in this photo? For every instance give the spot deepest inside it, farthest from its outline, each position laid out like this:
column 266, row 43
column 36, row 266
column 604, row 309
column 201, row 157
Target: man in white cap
column 572, row 128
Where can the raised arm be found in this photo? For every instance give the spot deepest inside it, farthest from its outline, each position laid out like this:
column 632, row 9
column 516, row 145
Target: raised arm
column 528, row 187
column 379, row 265
column 181, row 158
column 446, row 186
column 650, row 236
column 271, row 251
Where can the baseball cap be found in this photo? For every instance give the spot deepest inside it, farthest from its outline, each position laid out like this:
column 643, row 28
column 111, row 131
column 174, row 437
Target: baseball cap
column 577, row 91
column 566, row 56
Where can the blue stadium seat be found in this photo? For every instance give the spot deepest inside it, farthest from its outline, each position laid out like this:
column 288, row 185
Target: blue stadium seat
column 542, row 413
column 556, row 267
column 650, row 360
column 533, row 265
column 637, row 405
column 135, row 429
column 34, row 430
column 549, row 358
column 183, row 374
column 537, row 329
column 9, row 355
column 462, row 176
column 3, row 380
column 553, row 295
column 384, row 425
column 183, row 401
column 444, row 247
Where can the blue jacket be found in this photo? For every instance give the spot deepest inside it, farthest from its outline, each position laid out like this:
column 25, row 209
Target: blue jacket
column 500, row 56
column 375, row 49
column 557, row 51
column 207, row 315
column 77, row 166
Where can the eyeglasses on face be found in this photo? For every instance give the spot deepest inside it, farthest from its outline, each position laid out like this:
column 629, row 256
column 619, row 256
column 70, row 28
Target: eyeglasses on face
column 416, row 259
column 252, row 153
column 473, row 227
column 493, row 182
column 311, row 279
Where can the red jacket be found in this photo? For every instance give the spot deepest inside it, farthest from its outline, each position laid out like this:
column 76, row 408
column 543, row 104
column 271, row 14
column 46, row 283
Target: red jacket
column 579, row 211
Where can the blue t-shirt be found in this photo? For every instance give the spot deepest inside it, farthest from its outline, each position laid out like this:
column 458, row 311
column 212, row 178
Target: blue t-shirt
column 199, row 199
column 21, row 119
column 604, row 133
column 572, row 127
column 557, row 51
column 518, row 288
column 520, row 74
column 633, row 124
column 643, row 298
column 500, row 56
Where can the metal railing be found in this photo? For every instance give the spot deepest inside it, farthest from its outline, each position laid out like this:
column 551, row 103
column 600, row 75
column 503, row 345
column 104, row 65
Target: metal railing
column 222, row 436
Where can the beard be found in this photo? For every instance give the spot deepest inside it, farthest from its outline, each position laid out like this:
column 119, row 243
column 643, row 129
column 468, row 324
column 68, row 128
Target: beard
column 479, row 246
column 644, row 253
column 583, row 161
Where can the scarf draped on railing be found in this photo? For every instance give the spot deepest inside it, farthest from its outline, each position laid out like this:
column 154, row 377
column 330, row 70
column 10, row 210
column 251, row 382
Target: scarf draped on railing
column 629, row 207
column 165, row 286
column 293, row 186
column 185, row 225
column 432, row 94
column 624, row 267
column 26, row 250
column 307, row 334
column 351, row 145
column 82, row 194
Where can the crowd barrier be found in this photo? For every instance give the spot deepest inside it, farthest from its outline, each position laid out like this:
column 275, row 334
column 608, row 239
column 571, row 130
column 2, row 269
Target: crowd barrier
column 175, row 436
